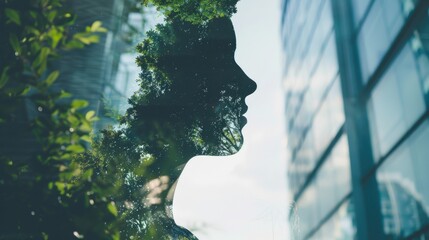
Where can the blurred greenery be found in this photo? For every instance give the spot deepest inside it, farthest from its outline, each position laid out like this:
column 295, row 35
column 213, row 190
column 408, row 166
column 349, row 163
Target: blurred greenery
column 45, row 192
column 58, row 180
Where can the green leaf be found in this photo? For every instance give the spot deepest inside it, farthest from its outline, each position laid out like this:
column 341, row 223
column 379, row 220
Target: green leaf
column 86, row 38
column 64, row 94
column 62, row 140
column 25, row 91
column 74, row 44
column 73, row 120
column 55, row 36
column 3, row 77
column 41, row 58
column 13, row 15
column 79, row 103
column 116, row 236
column 51, row 15
column 87, row 174
column 61, row 187
column 14, row 42
column 112, row 208
column 85, row 127
column 42, row 67
column 86, row 138
column 33, row 14
column 89, row 115
column 33, row 30
column 65, row 156
column 51, row 78
column 95, row 25
column 75, row 148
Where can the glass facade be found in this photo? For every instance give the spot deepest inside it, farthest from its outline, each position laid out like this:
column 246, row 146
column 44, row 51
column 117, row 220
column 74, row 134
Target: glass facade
column 103, row 68
column 390, row 53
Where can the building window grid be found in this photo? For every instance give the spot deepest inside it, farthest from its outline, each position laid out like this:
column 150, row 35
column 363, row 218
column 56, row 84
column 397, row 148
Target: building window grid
column 320, row 162
column 423, row 117
column 366, row 97
column 309, row 41
column 301, row 95
column 313, row 69
column 364, row 16
column 331, row 214
column 313, row 115
column 312, row 183
column 291, row 26
column 310, row 35
column 301, row 135
column 294, row 111
column 376, row 77
column 290, row 53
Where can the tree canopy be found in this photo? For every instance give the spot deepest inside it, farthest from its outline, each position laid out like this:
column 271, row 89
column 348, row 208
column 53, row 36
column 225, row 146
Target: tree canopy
column 194, row 11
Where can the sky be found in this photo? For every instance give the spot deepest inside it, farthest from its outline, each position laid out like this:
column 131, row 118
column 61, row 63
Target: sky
column 244, row 196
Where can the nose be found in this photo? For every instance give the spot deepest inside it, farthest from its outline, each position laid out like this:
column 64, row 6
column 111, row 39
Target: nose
column 247, row 84
column 251, row 85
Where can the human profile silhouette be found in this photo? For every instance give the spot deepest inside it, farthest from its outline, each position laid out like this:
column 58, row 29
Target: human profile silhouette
column 191, row 101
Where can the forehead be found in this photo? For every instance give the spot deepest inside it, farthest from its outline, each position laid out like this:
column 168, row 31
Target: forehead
column 220, row 34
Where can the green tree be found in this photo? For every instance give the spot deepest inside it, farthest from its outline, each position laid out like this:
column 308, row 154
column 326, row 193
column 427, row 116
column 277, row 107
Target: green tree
column 44, row 192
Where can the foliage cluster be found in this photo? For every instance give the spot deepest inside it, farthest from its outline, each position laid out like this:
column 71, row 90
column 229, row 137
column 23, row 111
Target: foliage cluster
column 45, row 192
column 194, row 11
column 64, row 183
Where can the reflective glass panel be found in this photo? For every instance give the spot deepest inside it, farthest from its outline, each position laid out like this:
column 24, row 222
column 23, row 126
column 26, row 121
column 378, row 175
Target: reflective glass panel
column 329, row 119
column 339, row 226
column 359, row 8
column 378, row 31
column 326, row 124
column 397, row 101
column 330, row 185
column 333, row 179
column 403, row 183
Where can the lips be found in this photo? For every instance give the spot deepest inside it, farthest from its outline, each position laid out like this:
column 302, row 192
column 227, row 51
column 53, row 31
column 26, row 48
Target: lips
column 243, row 121
column 244, row 109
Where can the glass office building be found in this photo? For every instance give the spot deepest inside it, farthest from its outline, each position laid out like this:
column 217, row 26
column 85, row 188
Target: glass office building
column 356, row 77
column 103, row 73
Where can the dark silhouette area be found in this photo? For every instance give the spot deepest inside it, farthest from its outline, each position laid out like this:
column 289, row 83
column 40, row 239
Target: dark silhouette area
column 192, row 92
column 191, row 101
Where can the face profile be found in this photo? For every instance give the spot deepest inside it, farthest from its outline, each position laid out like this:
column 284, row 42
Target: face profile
column 191, row 102
column 192, row 95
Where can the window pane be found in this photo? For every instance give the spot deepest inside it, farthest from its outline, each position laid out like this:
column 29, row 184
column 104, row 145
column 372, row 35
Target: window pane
column 333, row 180
column 397, row 102
column 322, row 78
column 378, row 31
column 403, row 181
column 307, row 210
column 339, row 226
column 329, row 119
column 326, row 124
column 359, row 8
column 323, row 27
column 330, row 185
